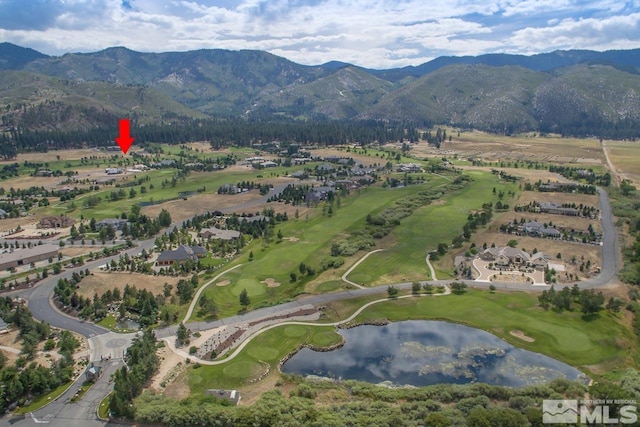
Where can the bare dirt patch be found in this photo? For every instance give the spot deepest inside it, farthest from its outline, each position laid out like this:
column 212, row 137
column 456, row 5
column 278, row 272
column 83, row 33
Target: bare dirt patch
column 292, row 239
column 519, row 334
column 73, row 251
column 223, row 283
column 62, row 154
column 270, row 282
column 171, row 366
column 99, row 282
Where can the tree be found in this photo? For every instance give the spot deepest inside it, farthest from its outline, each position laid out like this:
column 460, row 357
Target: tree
column 458, row 288
column 164, row 218
column 591, row 302
column 244, row 299
column 183, row 335
column 614, row 304
column 415, row 287
column 392, row 291
column 492, row 288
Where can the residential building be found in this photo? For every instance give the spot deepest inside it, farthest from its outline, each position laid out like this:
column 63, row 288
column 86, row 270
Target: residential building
column 116, row 223
column 508, row 256
column 180, row 255
column 93, row 372
column 555, row 208
column 232, row 396
column 17, row 257
column 55, row 222
column 536, row 229
column 218, row 234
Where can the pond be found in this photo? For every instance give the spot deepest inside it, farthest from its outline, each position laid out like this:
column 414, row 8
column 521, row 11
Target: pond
column 423, row 353
column 128, row 324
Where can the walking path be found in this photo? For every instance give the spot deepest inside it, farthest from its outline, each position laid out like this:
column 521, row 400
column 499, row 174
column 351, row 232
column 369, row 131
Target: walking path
column 431, row 270
column 344, row 276
column 170, row 340
column 195, row 299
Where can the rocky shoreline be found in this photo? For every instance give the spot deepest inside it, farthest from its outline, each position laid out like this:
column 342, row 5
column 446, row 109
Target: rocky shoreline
column 312, row 347
column 373, row 322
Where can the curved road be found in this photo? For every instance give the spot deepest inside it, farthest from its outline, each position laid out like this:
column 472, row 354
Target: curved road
column 102, row 340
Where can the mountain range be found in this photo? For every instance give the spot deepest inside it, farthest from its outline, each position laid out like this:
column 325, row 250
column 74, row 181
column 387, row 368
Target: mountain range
column 573, row 92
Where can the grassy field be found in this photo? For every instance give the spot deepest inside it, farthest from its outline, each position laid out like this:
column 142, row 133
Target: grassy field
column 314, row 236
column 624, row 156
column 265, row 350
column 420, row 233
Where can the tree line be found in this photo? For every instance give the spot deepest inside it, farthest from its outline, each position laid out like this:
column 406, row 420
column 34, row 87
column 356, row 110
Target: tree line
column 220, row 132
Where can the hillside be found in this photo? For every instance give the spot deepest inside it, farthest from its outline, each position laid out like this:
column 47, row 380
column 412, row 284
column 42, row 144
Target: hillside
column 345, row 93
column 572, row 92
column 41, row 102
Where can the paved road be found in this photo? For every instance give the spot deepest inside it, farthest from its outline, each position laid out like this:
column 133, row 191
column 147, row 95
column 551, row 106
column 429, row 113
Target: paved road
column 103, row 340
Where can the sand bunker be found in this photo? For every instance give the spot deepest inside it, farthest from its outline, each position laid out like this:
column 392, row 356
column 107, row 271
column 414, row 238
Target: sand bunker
column 223, row 283
column 293, row 239
column 521, row 335
column 271, row 282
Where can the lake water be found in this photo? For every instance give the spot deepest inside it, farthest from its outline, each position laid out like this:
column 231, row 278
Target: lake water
column 429, row 352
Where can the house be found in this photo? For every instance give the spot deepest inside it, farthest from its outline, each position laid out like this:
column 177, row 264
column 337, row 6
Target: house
column 566, row 187
column 410, row 167
column 508, row 256
column 93, row 372
column 232, row 396
column 253, row 218
column 44, row 172
column 55, row 222
column 554, row 208
column 317, row 194
column 104, row 180
column 113, row 171
column 18, row 257
column 3, row 214
column 268, row 164
column 4, row 327
column 536, row 229
column 180, row 255
column 325, row 168
column 218, row 234
column 116, row 223
column 505, row 256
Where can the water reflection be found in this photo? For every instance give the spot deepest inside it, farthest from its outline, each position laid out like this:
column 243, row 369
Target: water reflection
column 429, row 352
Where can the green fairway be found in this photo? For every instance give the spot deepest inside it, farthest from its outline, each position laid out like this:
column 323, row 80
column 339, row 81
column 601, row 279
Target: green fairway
column 604, row 341
column 265, row 350
column 278, row 260
column 423, row 230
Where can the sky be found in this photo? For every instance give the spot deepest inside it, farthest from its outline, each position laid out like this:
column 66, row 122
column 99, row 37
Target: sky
column 378, row 34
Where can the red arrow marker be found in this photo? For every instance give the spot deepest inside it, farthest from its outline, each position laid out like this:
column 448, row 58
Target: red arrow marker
column 124, row 140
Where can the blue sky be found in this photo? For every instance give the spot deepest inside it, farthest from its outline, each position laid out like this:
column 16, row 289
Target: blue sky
column 369, row 33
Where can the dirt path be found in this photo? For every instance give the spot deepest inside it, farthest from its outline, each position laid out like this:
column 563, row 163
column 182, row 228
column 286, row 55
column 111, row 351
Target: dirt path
column 431, row 270
column 617, row 175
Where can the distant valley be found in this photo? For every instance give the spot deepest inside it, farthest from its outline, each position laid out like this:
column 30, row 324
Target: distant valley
column 580, row 93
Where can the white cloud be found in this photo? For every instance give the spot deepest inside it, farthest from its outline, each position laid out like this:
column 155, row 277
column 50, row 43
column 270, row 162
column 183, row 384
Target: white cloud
column 370, row 33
